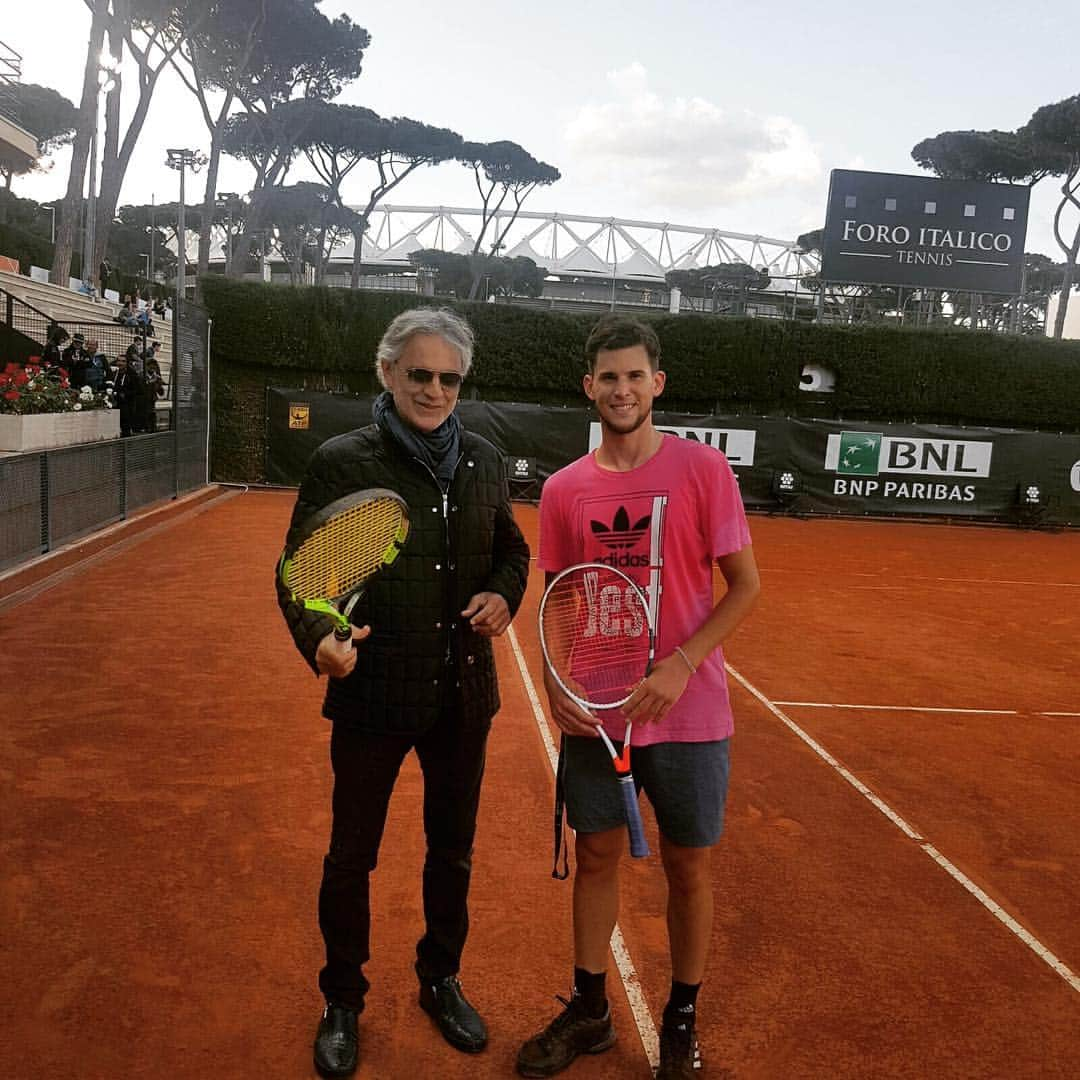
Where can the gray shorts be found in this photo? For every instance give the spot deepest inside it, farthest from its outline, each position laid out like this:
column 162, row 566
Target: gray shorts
column 685, row 782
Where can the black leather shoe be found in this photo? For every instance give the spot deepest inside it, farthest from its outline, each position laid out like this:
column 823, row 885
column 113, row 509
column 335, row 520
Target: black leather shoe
column 337, row 1042
column 458, row 1021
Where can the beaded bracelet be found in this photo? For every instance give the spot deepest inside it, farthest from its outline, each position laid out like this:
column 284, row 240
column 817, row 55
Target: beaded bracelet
column 689, row 662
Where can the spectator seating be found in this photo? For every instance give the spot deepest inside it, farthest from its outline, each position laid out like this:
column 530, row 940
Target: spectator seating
column 63, row 305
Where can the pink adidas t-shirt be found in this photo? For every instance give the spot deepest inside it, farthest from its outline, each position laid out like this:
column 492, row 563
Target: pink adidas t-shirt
column 663, row 524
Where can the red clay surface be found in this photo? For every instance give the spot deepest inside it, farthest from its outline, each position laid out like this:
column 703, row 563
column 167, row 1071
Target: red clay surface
column 164, row 794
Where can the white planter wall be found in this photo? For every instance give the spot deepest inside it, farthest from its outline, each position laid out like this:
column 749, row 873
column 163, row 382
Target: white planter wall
column 47, row 431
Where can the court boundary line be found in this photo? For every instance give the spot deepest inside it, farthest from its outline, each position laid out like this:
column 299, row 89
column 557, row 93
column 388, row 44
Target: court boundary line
column 929, row 580
column 894, row 708
column 639, row 1007
column 1059, row 967
column 73, row 569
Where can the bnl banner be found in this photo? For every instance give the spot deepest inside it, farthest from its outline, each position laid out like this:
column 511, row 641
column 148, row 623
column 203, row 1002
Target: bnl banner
column 922, row 232
column 866, row 468
column 837, row 467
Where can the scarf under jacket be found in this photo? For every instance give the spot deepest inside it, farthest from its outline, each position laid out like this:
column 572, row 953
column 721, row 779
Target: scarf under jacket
column 439, row 450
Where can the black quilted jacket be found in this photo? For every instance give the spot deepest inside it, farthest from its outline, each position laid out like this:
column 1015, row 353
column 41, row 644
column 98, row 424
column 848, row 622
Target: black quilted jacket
column 420, row 653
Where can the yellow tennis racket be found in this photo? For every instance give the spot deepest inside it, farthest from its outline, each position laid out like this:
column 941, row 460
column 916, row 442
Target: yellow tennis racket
column 340, row 549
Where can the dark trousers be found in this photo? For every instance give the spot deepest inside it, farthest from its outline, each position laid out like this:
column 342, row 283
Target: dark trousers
column 366, row 767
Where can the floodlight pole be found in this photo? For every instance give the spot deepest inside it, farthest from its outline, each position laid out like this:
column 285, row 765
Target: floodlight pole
column 182, row 160
column 153, row 229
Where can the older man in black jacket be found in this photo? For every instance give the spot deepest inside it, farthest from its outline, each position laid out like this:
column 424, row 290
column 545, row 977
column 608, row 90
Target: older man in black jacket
column 419, row 673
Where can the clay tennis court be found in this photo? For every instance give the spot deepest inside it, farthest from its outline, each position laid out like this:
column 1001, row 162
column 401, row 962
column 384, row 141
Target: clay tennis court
column 896, row 892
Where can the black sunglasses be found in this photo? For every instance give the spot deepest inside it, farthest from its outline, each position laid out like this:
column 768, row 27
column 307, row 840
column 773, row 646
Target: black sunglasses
column 449, row 380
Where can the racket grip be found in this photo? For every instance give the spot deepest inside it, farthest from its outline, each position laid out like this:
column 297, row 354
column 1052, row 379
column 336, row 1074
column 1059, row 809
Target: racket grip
column 343, row 633
column 639, row 846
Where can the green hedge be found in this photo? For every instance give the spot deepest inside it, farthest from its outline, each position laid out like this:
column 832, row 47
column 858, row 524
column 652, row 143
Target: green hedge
column 713, row 364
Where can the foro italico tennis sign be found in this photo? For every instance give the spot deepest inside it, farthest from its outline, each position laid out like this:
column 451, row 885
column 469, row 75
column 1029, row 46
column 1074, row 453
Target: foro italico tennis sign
column 887, row 229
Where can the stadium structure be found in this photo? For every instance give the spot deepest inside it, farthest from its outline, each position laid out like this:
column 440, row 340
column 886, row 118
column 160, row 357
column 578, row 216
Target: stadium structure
column 18, row 148
column 587, row 259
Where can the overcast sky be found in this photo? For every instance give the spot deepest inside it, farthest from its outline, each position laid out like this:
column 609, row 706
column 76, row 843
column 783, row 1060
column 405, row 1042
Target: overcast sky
column 713, row 114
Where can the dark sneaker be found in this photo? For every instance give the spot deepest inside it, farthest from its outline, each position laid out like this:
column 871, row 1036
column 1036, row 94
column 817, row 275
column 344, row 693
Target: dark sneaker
column 572, row 1032
column 680, row 1055
column 458, row 1021
column 337, row 1042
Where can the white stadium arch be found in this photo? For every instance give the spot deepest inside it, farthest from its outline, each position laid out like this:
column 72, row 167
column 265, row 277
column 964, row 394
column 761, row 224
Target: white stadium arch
column 575, row 245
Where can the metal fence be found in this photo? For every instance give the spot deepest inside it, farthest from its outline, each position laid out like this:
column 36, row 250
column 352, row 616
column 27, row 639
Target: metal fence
column 34, row 326
column 50, row 497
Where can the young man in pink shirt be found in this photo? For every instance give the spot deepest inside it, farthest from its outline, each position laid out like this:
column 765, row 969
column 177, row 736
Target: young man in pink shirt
column 664, row 511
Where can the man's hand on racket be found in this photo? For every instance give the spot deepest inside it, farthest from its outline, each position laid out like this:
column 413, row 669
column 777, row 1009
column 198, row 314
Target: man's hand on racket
column 568, row 715
column 656, row 693
column 488, row 614
column 337, row 658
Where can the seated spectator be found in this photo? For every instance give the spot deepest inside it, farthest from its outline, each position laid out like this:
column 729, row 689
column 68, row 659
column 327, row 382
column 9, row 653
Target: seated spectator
column 129, row 313
column 95, row 371
column 127, row 392
column 159, row 308
column 143, row 321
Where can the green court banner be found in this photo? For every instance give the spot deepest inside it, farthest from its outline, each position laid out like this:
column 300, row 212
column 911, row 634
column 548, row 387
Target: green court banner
column 856, row 467
column 786, row 465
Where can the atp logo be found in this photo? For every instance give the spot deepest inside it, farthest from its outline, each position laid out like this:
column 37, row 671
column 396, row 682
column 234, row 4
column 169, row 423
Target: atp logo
column 620, row 533
column 860, row 452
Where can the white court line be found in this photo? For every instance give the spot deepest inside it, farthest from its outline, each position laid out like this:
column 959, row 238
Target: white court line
column 631, row 983
column 1006, row 581
column 896, row 708
column 914, row 580
column 995, row 909
column 1058, row 714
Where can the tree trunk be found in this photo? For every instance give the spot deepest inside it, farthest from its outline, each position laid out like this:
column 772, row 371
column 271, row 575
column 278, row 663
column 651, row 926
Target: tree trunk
column 1063, row 300
column 357, row 255
column 1068, row 196
column 474, row 285
column 80, row 150
column 209, row 203
column 103, row 211
column 324, row 258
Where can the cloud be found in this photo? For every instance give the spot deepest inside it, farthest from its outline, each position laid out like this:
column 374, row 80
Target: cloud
column 687, row 152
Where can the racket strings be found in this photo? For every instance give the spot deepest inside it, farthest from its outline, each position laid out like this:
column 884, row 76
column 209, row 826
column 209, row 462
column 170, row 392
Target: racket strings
column 345, row 551
column 596, row 636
